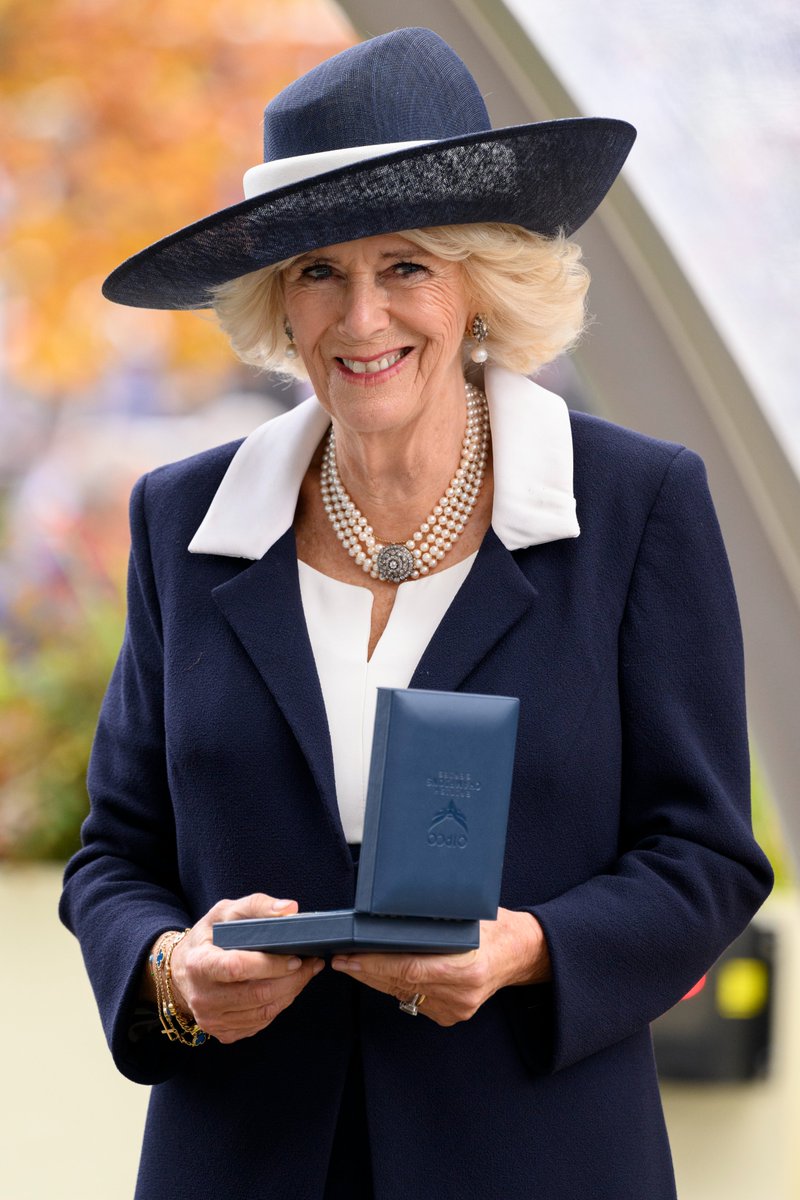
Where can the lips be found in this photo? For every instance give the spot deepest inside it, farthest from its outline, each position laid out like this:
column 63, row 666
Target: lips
column 374, row 365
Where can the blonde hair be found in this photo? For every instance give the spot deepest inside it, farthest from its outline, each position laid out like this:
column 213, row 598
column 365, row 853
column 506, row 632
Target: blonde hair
column 531, row 290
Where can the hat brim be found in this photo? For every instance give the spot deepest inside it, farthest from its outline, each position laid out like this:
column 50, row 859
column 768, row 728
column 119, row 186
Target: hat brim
column 547, row 177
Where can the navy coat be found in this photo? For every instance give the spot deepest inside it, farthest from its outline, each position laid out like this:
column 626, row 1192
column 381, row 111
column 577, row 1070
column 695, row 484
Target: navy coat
column 629, row 839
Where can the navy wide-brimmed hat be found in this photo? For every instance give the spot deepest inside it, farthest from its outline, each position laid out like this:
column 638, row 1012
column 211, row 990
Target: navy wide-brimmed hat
column 392, row 134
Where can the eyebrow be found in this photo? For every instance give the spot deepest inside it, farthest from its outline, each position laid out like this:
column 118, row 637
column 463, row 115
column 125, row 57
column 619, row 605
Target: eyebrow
column 400, row 252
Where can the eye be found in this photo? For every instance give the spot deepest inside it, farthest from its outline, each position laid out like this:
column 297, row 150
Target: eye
column 318, row 270
column 406, row 269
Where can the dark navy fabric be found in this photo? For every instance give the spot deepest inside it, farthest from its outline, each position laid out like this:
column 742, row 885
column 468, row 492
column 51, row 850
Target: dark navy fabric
column 629, row 838
column 403, row 86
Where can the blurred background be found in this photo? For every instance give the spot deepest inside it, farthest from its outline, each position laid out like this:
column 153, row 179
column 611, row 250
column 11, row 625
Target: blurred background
column 122, row 122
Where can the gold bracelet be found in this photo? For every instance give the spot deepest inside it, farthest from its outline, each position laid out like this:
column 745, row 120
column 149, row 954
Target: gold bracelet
column 157, row 959
column 176, row 1025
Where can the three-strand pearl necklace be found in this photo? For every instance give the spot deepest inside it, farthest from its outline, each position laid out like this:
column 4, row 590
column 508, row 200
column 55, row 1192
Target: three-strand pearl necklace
column 427, row 546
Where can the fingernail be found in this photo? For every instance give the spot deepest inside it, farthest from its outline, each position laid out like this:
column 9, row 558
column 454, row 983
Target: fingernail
column 294, row 964
column 277, row 905
column 342, row 964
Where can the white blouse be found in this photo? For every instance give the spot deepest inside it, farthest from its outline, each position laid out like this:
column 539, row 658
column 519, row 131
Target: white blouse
column 338, row 616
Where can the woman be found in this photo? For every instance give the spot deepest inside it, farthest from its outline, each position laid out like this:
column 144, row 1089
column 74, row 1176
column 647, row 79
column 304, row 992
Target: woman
column 409, row 528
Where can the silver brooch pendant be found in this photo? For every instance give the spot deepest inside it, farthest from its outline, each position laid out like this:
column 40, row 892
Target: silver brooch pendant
column 395, row 563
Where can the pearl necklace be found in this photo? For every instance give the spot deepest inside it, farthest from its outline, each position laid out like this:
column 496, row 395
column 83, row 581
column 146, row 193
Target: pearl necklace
column 428, row 545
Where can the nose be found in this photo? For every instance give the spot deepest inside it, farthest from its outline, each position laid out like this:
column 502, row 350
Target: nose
column 365, row 309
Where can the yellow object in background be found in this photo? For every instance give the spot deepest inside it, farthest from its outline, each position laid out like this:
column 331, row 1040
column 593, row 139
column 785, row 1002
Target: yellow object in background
column 742, row 988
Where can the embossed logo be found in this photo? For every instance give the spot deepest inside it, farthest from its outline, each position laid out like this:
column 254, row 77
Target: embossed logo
column 454, row 839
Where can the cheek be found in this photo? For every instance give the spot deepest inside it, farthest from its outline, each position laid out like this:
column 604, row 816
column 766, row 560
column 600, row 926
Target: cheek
column 453, row 309
column 440, row 314
column 306, row 315
column 446, row 325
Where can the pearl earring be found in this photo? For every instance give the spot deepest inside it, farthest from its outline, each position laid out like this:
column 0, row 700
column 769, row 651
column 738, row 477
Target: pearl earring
column 291, row 350
column 479, row 331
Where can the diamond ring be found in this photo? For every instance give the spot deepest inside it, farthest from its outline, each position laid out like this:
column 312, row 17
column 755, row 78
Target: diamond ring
column 412, row 1006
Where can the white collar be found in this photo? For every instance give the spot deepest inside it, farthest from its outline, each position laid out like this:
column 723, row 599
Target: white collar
column 533, row 502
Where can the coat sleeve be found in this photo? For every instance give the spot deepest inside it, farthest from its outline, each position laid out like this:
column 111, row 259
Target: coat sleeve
column 120, row 889
column 627, row 944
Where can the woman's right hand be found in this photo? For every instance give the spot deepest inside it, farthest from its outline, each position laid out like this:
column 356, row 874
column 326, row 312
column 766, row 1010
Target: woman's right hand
column 233, row 994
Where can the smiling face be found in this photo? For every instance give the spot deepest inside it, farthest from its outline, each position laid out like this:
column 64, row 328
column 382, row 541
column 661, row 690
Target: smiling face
column 379, row 324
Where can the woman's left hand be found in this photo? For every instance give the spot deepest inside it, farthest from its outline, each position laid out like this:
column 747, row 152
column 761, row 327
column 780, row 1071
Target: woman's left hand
column 513, row 951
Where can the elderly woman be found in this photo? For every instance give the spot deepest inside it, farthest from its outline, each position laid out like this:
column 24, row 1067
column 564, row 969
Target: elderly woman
column 411, row 525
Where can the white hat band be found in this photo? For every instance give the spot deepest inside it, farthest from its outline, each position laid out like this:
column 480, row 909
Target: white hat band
column 269, row 176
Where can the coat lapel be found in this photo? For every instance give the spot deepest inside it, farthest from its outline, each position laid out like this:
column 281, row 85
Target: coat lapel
column 494, row 596
column 262, row 604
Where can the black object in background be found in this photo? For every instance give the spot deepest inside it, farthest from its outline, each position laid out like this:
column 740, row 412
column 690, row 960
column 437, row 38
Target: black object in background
column 720, row 1032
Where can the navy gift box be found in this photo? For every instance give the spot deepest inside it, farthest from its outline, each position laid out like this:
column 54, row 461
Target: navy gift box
column 343, row 931
column 434, row 833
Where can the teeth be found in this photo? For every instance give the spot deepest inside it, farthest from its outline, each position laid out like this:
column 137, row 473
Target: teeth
column 375, row 364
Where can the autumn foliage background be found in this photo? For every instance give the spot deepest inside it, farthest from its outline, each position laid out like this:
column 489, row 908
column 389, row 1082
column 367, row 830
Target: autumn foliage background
column 122, row 122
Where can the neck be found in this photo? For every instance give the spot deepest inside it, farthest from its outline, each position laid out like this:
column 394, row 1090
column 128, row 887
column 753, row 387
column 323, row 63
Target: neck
column 395, row 476
column 394, row 557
